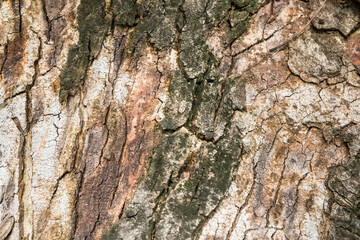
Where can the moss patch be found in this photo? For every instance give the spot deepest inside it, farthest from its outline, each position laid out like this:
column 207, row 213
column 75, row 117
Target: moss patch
column 189, row 172
column 344, row 183
column 93, row 25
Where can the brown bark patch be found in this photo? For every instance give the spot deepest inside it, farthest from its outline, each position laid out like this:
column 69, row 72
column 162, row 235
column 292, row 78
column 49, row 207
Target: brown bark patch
column 101, row 174
column 12, row 67
column 353, row 50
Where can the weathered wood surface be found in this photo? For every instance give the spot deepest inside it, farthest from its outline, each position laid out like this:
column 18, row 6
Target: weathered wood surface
column 179, row 119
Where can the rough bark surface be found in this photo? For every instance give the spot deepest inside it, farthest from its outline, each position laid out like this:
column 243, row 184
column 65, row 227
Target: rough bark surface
column 179, row 119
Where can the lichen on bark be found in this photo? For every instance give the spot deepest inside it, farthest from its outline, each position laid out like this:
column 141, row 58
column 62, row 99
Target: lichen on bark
column 345, row 204
column 200, row 102
column 93, row 24
column 185, row 181
column 154, row 119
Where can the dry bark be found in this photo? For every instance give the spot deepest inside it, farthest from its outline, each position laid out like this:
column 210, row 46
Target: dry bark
column 179, row 119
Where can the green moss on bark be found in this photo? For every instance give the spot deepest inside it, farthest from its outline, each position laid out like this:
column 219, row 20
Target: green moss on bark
column 344, row 183
column 93, row 25
column 178, row 107
column 189, row 172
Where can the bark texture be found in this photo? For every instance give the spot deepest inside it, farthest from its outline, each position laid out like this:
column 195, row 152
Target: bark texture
column 179, row 119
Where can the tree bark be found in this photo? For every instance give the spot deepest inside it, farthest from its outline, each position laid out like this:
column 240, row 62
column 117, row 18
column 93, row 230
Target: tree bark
column 179, row 119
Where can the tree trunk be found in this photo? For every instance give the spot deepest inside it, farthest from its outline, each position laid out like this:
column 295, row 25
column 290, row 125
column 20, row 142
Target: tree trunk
column 179, row 119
